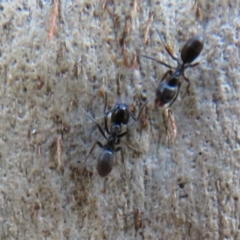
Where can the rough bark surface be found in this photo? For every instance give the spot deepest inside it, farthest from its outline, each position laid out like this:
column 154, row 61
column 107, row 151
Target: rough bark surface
column 182, row 188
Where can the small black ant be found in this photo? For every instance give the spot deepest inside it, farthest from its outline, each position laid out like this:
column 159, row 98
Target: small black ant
column 106, row 159
column 168, row 89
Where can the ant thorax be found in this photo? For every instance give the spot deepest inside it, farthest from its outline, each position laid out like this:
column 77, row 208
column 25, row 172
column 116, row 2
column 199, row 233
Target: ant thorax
column 116, row 129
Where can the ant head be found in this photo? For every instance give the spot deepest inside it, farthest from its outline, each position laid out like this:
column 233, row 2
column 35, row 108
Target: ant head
column 192, row 49
column 105, row 162
column 120, row 114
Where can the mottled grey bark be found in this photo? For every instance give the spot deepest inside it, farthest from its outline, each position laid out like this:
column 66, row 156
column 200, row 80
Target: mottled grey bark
column 184, row 188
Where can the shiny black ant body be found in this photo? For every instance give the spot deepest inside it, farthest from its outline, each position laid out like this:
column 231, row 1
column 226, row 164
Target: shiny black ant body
column 168, row 89
column 120, row 114
column 106, row 159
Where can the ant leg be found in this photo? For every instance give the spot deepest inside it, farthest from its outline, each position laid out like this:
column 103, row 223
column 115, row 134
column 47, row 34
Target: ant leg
column 118, row 85
column 122, row 134
column 164, row 76
column 136, row 119
column 123, row 162
column 105, row 118
column 106, row 125
column 158, row 61
column 98, row 126
column 118, row 140
column 175, row 97
column 144, row 105
column 105, row 104
column 94, row 145
column 117, row 149
column 122, row 158
column 101, row 131
column 188, row 81
column 193, row 65
column 131, row 114
column 133, row 148
column 166, row 48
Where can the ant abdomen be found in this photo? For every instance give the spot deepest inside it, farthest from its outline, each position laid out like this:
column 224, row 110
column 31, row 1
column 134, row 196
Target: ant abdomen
column 165, row 93
column 192, row 49
column 105, row 162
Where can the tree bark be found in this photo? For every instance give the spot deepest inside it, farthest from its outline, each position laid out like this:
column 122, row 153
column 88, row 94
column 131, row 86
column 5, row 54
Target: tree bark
column 58, row 61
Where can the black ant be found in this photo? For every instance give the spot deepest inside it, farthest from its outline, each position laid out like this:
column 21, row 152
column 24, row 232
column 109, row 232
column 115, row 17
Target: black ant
column 168, row 89
column 106, row 159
